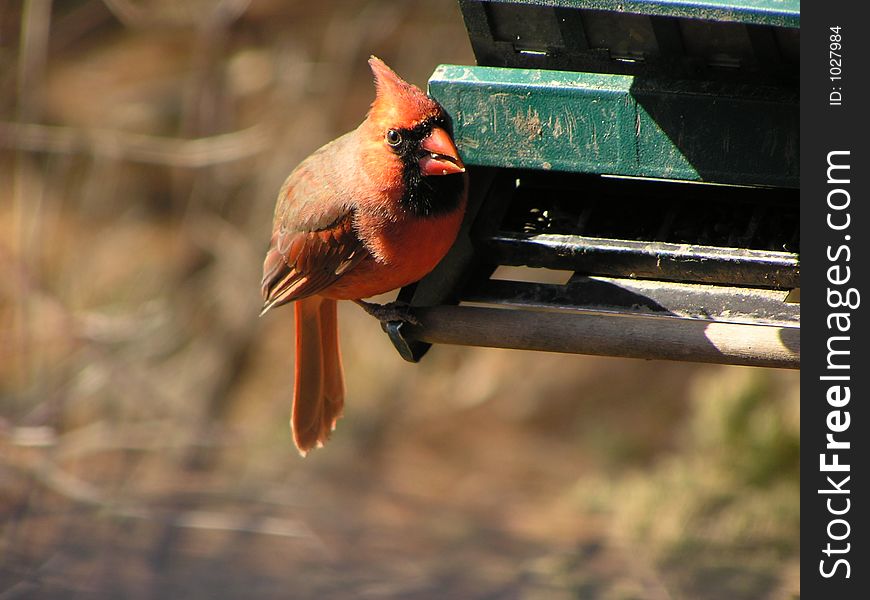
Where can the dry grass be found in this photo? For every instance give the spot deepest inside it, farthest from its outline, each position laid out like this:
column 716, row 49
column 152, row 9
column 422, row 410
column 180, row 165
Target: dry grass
column 144, row 445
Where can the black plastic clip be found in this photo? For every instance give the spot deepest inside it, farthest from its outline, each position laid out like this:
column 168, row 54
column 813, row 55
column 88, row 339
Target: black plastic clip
column 409, row 349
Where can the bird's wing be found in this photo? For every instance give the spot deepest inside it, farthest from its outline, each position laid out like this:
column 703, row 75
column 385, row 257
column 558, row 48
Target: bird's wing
column 313, row 240
column 301, row 263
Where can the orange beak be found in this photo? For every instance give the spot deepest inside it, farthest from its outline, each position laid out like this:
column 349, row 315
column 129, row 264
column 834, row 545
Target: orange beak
column 442, row 157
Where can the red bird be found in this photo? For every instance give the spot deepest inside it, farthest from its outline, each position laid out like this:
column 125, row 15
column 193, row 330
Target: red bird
column 369, row 212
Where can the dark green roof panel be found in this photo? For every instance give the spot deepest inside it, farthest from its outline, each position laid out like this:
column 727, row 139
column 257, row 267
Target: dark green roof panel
column 777, row 13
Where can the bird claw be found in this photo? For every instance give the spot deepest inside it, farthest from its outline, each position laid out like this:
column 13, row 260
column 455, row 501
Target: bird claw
column 389, row 312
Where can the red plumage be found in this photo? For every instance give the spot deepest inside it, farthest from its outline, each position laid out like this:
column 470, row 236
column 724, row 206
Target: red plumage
column 369, row 212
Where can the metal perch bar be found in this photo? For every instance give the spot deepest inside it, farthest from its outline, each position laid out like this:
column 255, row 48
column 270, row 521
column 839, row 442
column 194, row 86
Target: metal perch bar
column 611, row 335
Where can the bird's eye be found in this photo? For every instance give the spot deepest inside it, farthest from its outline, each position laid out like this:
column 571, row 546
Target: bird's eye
column 394, row 138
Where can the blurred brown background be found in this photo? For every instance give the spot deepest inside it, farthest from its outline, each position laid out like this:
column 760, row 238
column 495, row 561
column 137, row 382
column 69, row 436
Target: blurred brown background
column 144, row 444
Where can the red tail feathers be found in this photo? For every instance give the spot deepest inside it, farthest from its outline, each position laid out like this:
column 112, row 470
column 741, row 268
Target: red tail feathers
column 318, row 394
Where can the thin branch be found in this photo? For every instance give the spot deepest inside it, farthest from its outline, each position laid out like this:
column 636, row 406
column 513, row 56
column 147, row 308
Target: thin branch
column 120, row 145
column 48, row 474
column 133, row 15
column 35, row 23
column 128, row 13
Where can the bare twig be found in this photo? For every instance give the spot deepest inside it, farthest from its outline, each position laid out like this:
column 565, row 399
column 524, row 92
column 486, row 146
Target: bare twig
column 26, row 189
column 48, row 474
column 225, row 521
column 133, row 14
column 52, row 477
column 35, row 22
column 101, row 436
column 119, row 145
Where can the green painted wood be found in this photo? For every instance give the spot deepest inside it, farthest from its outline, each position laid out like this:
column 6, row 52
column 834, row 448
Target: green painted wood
column 619, row 125
column 776, row 13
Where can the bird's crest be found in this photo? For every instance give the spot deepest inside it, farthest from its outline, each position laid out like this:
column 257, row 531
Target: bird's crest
column 397, row 102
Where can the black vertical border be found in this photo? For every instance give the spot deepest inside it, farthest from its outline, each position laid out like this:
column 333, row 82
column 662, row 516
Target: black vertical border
column 826, row 128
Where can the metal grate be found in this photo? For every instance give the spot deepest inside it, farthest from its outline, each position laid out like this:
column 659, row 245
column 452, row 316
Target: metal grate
column 642, row 228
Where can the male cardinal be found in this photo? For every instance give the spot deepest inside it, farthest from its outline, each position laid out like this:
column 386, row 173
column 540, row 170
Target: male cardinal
column 369, row 212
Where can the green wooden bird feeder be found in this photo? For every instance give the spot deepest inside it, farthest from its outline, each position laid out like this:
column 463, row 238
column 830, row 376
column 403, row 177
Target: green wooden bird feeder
column 634, row 182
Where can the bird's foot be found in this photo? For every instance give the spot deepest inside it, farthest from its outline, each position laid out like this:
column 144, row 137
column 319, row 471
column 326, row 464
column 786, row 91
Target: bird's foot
column 391, row 311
